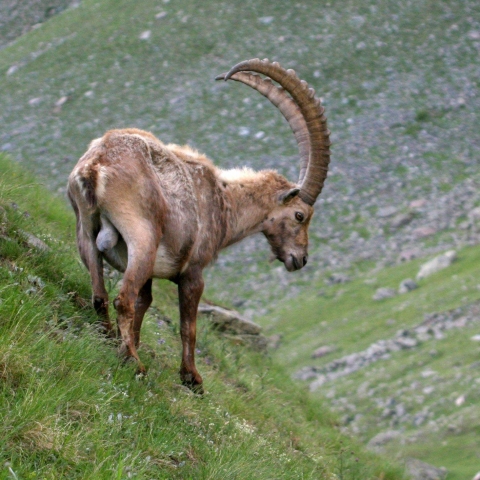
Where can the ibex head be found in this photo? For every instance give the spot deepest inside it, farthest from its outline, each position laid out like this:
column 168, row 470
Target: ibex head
column 286, row 227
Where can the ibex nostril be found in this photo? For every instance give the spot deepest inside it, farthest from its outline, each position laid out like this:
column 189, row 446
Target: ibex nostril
column 305, row 260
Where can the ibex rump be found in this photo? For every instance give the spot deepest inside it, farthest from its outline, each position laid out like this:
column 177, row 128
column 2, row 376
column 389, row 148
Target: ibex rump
column 165, row 211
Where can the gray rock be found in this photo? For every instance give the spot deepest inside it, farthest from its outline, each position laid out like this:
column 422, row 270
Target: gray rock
column 432, row 327
column 419, row 470
column 336, row 278
column 422, row 232
column 229, row 321
column 408, row 255
column 12, row 70
column 7, row 147
column 61, row 101
column 378, row 441
column 474, row 214
column 400, row 220
column 420, row 418
column 386, row 212
column 266, row 20
column 257, row 342
column 318, row 382
column 322, row 351
column 437, row 264
column 406, row 342
column 35, row 242
column 407, row 285
column 400, row 410
column 419, row 203
column 145, row 35
column 36, row 281
column 232, row 325
column 383, row 293
column 305, row 373
column 35, row 101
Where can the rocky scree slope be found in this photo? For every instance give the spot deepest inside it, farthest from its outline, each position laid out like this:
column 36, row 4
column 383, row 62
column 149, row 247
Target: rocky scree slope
column 17, row 18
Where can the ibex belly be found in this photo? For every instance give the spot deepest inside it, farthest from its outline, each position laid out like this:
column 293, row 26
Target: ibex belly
column 165, row 266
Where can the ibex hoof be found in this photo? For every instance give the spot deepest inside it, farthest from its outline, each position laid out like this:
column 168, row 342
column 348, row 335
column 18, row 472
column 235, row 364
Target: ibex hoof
column 196, row 388
column 189, row 381
column 109, row 332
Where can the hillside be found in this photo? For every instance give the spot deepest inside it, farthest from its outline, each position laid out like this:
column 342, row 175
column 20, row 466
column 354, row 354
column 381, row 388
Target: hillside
column 403, row 371
column 70, row 409
column 400, row 84
column 17, row 18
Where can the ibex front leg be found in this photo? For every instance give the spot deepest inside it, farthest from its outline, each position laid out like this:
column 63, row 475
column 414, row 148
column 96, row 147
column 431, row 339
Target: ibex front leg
column 144, row 300
column 190, row 289
column 100, row 297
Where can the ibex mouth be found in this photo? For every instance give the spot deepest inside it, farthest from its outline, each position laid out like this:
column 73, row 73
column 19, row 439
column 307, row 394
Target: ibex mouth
column 296, row 263
column 291, row 263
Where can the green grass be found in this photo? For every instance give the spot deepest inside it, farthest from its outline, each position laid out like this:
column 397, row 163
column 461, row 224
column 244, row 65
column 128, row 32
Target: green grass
column 70, row 409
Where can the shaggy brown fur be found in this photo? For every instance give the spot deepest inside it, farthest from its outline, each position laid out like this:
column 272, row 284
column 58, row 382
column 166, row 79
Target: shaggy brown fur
column 152, row 210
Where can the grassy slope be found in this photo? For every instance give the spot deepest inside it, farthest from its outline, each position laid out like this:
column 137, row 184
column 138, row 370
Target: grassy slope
column 16, row 18
column 347, row 317
column 69, row 409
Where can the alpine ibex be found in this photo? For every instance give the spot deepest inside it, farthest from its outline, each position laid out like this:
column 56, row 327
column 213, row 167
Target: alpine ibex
column 165, row 211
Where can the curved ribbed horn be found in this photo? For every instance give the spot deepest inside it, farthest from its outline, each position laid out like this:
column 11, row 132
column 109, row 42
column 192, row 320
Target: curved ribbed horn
column 312, row 177
column 288, row 108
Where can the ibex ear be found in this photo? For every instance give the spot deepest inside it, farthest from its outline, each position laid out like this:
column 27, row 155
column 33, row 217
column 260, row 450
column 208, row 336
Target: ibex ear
column 285, row 197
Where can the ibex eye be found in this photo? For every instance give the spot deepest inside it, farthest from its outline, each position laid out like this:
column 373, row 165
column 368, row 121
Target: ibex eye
column 299, row 216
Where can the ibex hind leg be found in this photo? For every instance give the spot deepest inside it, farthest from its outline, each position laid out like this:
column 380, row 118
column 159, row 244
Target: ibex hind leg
column 135, row 294
column 92, row 258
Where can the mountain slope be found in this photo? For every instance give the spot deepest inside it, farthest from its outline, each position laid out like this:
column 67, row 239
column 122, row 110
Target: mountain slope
column 399, row 81
column 402, row 371
column 17, row 18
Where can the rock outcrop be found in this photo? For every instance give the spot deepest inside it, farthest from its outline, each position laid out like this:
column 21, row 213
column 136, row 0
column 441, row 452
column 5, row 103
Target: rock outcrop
column 432, row 328
column 419, row 470
column 436, row 264
column 233, row 326
column 383, row 438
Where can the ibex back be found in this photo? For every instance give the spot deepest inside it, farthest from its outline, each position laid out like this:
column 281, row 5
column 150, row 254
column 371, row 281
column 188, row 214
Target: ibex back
column 165, row 211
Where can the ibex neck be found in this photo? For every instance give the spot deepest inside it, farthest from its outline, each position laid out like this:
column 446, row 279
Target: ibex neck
column 253, row 196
